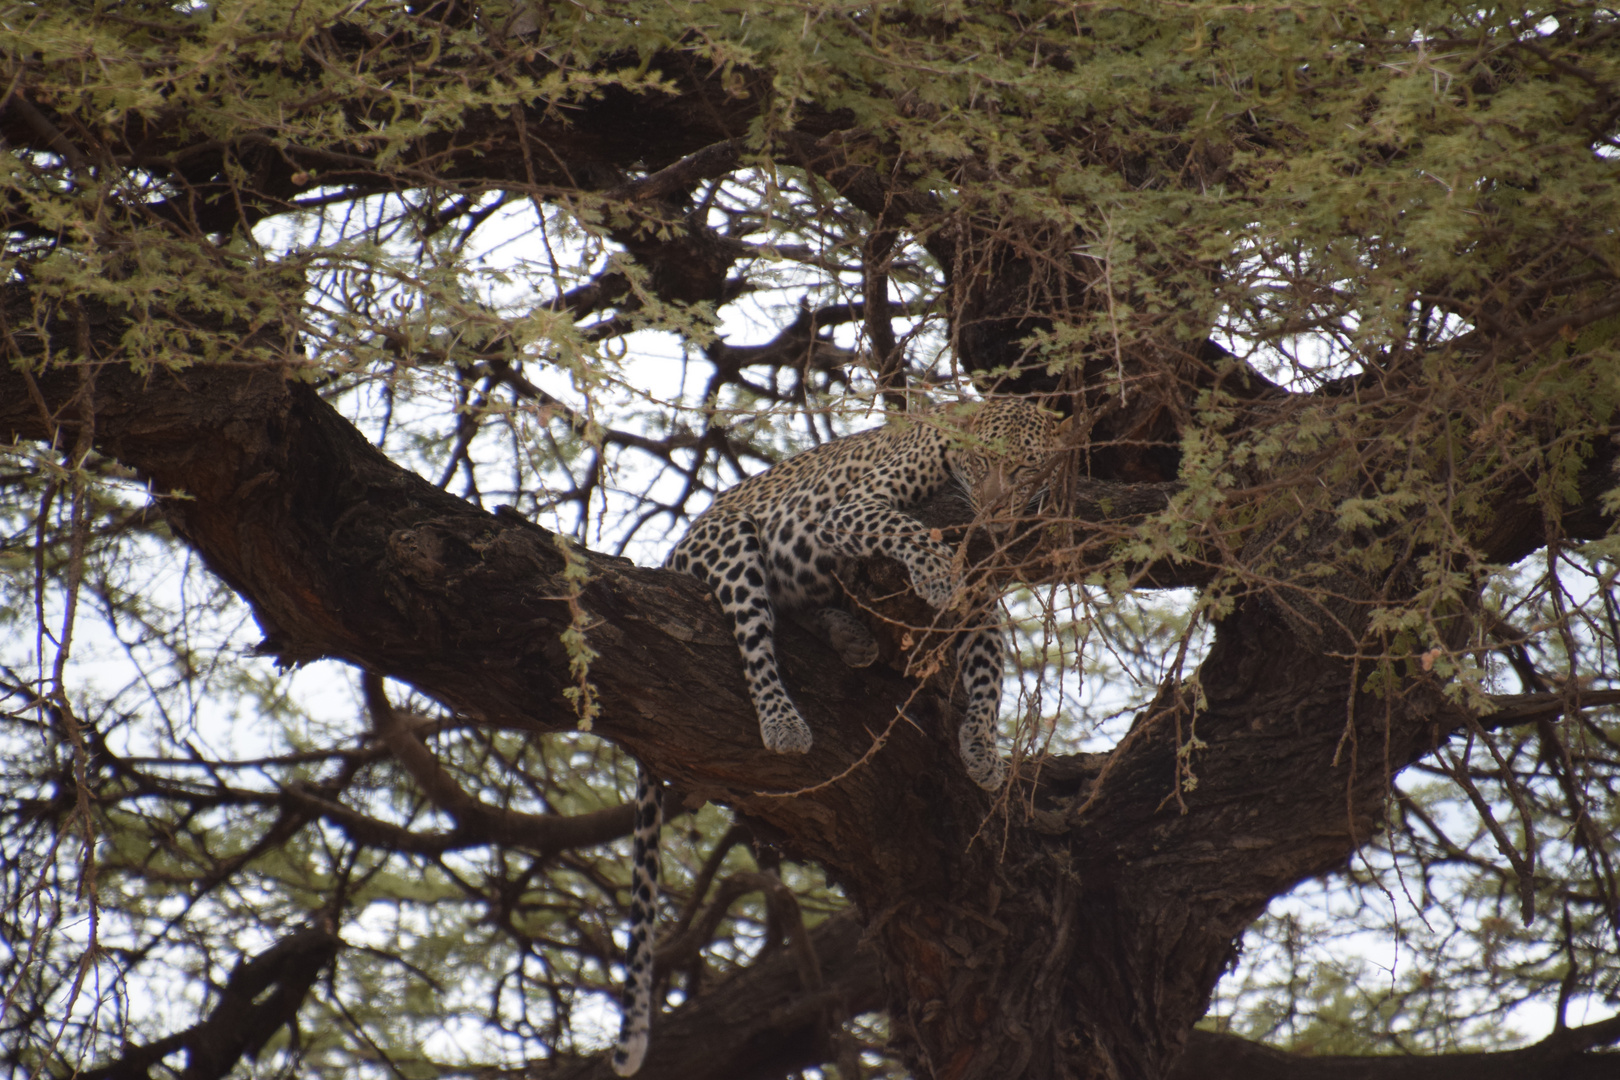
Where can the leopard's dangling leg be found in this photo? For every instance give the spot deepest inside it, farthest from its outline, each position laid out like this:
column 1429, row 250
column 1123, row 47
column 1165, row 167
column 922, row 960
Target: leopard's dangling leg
column 724, row 552
column 636, row 1008
column 981, row 660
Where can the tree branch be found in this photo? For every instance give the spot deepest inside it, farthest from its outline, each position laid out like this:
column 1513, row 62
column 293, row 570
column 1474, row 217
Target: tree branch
column 761, row 1024
column 245, row 1017
column 544, row 833
column 1565, row 1054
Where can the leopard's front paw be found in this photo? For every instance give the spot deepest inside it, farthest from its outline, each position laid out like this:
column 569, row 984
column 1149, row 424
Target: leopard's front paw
column 933, row 581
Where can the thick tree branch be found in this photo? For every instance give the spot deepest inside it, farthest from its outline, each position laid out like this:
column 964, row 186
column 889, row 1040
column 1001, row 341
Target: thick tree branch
column 1515, row 709
column 1564, row 1055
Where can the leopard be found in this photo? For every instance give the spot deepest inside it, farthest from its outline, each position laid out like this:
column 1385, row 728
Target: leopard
column 782, row 542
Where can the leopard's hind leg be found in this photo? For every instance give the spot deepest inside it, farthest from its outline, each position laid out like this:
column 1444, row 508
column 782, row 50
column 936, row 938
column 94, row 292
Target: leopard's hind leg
column 848, row 636
column 981, row 660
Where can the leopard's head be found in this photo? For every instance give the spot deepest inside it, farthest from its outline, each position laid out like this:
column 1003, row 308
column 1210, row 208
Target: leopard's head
column 1003, row 450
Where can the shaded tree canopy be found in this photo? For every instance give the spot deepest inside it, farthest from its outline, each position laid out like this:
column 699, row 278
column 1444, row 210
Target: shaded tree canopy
column 401, row 339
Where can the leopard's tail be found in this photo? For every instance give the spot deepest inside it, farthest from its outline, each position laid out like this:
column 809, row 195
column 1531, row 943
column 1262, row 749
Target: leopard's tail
column 638, row 958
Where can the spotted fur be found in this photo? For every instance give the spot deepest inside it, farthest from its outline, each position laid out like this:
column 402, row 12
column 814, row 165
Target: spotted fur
column 779, row 543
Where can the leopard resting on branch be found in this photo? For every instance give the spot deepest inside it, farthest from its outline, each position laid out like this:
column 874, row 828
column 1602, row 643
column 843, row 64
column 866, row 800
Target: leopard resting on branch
column 781, row 542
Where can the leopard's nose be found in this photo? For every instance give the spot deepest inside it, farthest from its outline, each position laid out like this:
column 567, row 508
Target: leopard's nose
column 991, row 490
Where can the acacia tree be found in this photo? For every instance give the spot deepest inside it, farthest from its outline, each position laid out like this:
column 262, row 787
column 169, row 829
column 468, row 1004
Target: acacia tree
column 408, row 321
